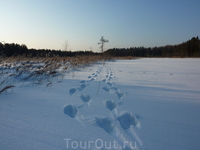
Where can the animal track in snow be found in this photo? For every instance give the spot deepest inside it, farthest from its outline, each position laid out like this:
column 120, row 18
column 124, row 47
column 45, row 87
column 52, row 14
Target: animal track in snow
column 82, row 86
column 111, row 105
column 92, row 79
column 86, row 99
column 127, row 119
column 106, row 124
column 103, row 80
column 115, row 90
column 83, row 81
column 120, row 94
column 72, row 91
column 117, row 125
column 95, row 75
column 71, row 110
column 111, row 90
column 109, row 83
column 106, row 89
column 109, row 78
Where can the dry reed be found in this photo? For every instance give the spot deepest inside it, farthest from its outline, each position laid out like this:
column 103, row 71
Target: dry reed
column 39, row 70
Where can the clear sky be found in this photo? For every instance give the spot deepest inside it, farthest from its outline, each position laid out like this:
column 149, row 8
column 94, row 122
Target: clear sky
column 125, row 23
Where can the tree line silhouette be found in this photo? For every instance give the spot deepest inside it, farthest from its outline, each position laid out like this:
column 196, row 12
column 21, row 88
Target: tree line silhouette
column 12, row 49
column 191, row 48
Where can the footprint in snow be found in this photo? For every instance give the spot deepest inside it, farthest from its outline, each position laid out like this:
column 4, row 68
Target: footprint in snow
column 95, row 75
column 83, row 86
column 72, row 91
column 83, row 81
column 111, row 105
column 73, row 112
column 106, row 124
column 89, row 77
column 106, row 89
column 127, row 119
column 114, row 90
column 120, row 94
column 103, row 80
column 110, row 78
column 109, row 83
column 86, row 99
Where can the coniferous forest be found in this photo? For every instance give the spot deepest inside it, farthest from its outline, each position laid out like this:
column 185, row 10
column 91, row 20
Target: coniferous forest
column 191, row 48
column 8, row 50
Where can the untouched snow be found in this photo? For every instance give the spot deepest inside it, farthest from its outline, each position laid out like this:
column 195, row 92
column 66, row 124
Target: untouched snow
column 150, row 104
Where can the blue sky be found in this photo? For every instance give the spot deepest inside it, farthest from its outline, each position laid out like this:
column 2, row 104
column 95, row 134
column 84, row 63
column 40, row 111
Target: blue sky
column 125, row 23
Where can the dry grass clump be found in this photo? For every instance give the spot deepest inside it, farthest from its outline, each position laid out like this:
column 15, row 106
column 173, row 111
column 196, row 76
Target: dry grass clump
column 38, row 70
column 6, row 88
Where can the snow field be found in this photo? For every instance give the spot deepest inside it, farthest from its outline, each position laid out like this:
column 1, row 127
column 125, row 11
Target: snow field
column 149, row 104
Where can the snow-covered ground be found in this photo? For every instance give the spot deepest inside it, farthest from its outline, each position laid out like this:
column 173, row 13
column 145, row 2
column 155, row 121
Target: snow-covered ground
column 150, row 104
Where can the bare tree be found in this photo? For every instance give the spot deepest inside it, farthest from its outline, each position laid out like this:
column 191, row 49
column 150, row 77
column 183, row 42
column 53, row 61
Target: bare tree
column 66, row 45
column 102, row 42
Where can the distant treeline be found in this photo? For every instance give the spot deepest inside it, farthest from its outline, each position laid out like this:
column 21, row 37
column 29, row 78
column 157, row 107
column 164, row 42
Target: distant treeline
column 190, row 48
column 12, row 49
